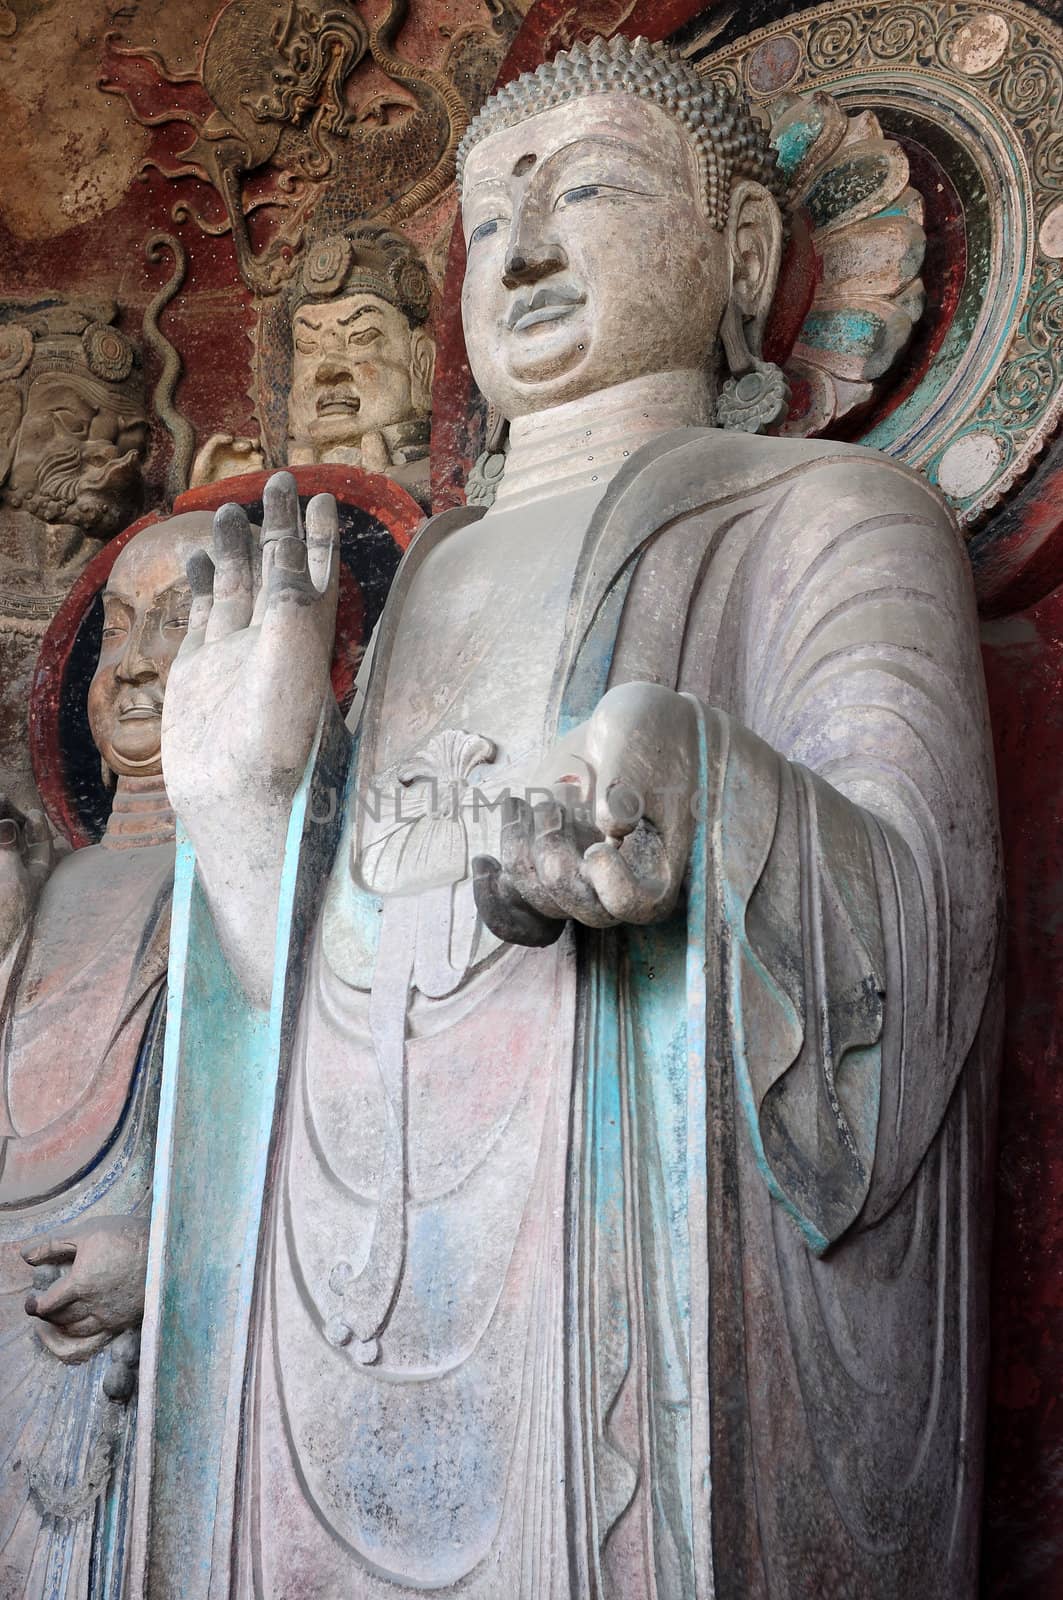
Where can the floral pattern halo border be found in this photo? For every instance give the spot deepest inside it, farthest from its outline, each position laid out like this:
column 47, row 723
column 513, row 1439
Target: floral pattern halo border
column 990, row 74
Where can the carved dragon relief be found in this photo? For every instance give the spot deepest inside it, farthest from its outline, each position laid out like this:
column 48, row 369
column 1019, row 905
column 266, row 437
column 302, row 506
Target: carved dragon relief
column 276, row 74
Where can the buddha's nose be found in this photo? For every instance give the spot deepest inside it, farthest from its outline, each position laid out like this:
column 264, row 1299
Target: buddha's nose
column 531, row 253
column 528, row 264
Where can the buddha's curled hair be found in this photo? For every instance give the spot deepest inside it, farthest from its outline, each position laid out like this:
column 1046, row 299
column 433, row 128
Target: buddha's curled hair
column 731, row 144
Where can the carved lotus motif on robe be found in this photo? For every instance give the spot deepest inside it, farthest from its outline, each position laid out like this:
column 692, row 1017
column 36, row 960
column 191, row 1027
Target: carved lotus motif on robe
column 424, row 838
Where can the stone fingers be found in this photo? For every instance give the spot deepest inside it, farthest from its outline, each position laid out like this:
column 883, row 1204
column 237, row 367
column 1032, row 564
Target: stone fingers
column 517, row 848
column 558, row 864
column 509, row 897
column 61, row 1303
column 503, row 909
column 633, row 881
column 323, row 545
column 299, row 621
column 281, row 521
column 232, row 606
column 38, row 851
column 200, row 570
column 54, row 1252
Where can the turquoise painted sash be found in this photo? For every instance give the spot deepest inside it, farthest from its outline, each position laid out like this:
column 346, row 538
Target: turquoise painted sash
column 223, row 1073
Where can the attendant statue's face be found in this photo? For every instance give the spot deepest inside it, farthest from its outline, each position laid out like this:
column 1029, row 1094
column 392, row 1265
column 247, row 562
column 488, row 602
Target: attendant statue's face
column 78, row 455
column 591, row 255
column 145, row 617
column 358, row 366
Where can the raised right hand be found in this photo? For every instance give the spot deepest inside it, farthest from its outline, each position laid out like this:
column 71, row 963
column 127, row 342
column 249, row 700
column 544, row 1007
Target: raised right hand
column 246, row 690
column 242, row 705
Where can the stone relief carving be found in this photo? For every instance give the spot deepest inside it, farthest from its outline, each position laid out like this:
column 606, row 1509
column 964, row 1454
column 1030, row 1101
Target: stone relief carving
column 290, row 135
column 83, row 949
column 73, row 437
column 179, row 428
column 981, row 85
column 624, row 1047
column 276, row 73
column 869, row 242
column 358, row 388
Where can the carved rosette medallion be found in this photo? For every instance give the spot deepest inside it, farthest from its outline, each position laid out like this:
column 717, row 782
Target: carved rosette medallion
column 980, row 88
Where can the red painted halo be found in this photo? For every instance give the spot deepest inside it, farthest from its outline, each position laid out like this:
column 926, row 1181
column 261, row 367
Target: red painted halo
column 378, row 520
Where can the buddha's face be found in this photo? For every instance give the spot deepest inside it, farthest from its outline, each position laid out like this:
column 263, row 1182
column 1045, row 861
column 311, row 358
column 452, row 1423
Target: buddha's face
column 79, row 454
column 145, row 616
column 591, row 258
column 358, row 366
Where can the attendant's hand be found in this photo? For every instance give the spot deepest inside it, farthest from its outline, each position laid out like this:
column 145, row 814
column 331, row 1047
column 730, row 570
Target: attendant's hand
column 640, row 748
column 26, row 859
column 225, row 455
column 96, row 1290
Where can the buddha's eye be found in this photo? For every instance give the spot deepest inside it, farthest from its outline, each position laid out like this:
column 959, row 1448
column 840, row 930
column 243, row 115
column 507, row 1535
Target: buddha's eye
column 306, row 346
column 483, row 230
column 585, row 191
column 363, row 336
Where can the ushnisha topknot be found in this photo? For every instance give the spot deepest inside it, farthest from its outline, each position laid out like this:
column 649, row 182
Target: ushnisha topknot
column 730, row 142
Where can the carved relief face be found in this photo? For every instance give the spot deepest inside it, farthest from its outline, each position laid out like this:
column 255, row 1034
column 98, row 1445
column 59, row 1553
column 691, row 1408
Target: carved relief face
column 358, row 366
column 145, row 616
column 591, row 258
column 78, row 455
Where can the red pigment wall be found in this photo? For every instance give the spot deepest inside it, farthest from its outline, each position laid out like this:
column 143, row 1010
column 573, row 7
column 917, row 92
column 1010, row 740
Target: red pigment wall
column 1023, row 1552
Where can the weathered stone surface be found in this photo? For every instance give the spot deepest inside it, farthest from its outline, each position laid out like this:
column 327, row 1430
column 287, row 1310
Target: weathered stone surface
column 361, row 365
column 83, row 949
column 73, row 434
column 649, row 1257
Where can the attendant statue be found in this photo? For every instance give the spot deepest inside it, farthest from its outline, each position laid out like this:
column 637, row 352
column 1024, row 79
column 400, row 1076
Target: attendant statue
column 84, row 949
column 362, row 364
column 73, row 435
column 623, row 1229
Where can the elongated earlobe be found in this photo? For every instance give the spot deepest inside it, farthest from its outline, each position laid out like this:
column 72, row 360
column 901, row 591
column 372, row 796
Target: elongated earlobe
column 755, row 395
column 422, row 370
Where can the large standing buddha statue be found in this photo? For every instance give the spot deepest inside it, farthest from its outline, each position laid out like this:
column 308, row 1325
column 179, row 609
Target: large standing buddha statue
column 623, row 1228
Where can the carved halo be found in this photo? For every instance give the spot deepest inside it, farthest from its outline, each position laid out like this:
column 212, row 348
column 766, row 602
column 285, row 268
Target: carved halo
column 972, row 89
column 377, row 521
column 869, row 242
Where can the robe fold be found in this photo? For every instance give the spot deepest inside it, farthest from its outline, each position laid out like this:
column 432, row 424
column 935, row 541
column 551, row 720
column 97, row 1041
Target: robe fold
column 651, row 1263
column 80, row 1059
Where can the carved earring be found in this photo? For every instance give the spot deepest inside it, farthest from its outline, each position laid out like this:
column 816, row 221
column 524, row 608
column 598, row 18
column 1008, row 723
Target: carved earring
column 756, row 395
column 754, row 401
column 481, row 486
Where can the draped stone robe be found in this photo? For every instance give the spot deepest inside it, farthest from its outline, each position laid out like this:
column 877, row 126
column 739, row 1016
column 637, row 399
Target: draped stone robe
column 80, row 1059
column 651, row 1263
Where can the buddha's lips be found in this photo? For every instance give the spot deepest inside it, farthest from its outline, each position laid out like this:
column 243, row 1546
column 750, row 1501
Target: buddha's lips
column 545, row 305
